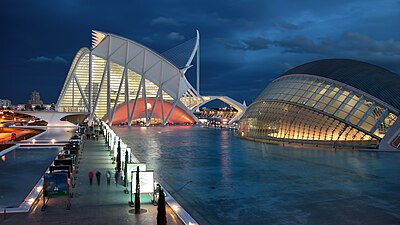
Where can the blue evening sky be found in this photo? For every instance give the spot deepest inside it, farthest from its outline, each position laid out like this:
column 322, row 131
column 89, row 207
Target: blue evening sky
column 244, row 44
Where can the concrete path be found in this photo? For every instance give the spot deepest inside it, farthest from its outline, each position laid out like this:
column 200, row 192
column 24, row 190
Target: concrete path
column 92, row 204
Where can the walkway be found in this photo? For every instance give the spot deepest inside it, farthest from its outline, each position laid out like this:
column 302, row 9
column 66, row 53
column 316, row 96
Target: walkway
column 92, row 204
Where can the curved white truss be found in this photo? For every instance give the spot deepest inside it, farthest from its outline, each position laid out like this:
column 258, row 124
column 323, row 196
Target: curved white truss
column 118, row 70
column 107, row 72
column 238, row 106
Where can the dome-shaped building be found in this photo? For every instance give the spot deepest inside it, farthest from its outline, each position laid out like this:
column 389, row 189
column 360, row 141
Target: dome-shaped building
column 337, row 102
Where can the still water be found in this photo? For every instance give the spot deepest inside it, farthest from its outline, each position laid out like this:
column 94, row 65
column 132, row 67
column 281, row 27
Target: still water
column 21, row 168
column 221, row 179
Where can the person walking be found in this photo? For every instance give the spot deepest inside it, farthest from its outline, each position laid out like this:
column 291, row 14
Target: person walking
column 98, row 175
column 90, row 177
column 108, row 176
column 156, row 194
column 116, row 176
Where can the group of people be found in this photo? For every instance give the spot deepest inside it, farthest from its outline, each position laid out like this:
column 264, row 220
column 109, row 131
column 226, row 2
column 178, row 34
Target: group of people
column 108, row 177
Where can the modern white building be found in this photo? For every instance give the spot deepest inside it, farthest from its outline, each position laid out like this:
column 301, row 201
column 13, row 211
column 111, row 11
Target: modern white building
column 336, row 102
column 121, row 81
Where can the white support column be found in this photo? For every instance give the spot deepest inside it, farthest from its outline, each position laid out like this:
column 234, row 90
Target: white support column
column 198, row 64
column 161, row 93
column 68, row 84
column 108, row 93
column 162, row 107
column 82, row 92
column 98, row 92
column 127, row 82
column 172, row 109
column 127, row 96
column 154, row 105
column 90, row 84
column 109, row 82
column 73, row 92
column 145, row 100
column 144, row 86
column 117, row 98
column 136, row 99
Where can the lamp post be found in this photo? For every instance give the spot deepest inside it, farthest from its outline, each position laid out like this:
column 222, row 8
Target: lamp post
column 131, row 204
column 126, row 172
column 137, row 193
column 119, row 156
column 126, row 168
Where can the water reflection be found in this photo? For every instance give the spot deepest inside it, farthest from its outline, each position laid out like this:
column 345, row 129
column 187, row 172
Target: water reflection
column 225, row 155
column 235, row 181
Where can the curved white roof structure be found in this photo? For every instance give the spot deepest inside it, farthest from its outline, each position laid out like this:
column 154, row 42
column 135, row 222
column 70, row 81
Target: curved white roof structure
column 338, row 102
column 118, row 71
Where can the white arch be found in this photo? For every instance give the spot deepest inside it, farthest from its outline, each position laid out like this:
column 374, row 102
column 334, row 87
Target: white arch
column 235, row 104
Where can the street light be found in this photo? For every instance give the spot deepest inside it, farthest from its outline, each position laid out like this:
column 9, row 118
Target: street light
column 119, row 156
column 131, row 203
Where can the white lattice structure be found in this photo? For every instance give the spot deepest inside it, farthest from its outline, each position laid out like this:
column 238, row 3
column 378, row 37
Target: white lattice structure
column 120, row 74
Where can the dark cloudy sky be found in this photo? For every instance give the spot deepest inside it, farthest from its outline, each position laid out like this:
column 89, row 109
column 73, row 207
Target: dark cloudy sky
column 244, row 43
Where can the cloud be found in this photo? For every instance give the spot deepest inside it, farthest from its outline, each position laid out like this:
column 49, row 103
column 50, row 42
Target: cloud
column 165, row 21
column 175, row 36
column 348, row 45
column 348, row 42
column 256, row 43
column 232, row 44
column 44, row 59
column 288, row 26
column 299, row 45
column 352, row 40
column 252, row 44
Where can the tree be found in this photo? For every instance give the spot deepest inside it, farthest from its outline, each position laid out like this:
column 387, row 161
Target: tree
column 161, row 213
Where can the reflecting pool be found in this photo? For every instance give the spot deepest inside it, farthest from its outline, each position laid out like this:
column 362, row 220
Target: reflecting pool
column 221, row 179
column 21, row 168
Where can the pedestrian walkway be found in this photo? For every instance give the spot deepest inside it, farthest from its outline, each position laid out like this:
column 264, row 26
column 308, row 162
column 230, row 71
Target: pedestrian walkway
column 92, row 204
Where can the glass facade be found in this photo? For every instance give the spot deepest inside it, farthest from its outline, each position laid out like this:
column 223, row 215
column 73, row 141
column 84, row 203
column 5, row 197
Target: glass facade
column 310, row 108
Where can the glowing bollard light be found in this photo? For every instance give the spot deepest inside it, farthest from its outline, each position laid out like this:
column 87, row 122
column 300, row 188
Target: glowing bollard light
column 39, row 189
column 53, row 141
column 175, row 208
column 33, row 141
column 31, row 201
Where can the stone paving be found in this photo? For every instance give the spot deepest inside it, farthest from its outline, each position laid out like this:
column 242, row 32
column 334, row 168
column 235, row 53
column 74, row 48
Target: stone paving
column 91, row 204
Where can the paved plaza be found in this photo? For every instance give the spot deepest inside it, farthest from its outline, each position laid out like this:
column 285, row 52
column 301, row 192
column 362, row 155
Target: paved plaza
column 91, row 204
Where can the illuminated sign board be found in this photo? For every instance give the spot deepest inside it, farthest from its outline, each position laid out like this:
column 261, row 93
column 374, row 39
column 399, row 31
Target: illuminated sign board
column 146, row 179
column 133, row 167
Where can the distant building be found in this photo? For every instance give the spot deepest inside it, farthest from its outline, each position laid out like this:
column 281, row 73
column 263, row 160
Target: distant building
column 35, row 99
column 20, row 107
column 5, row 103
